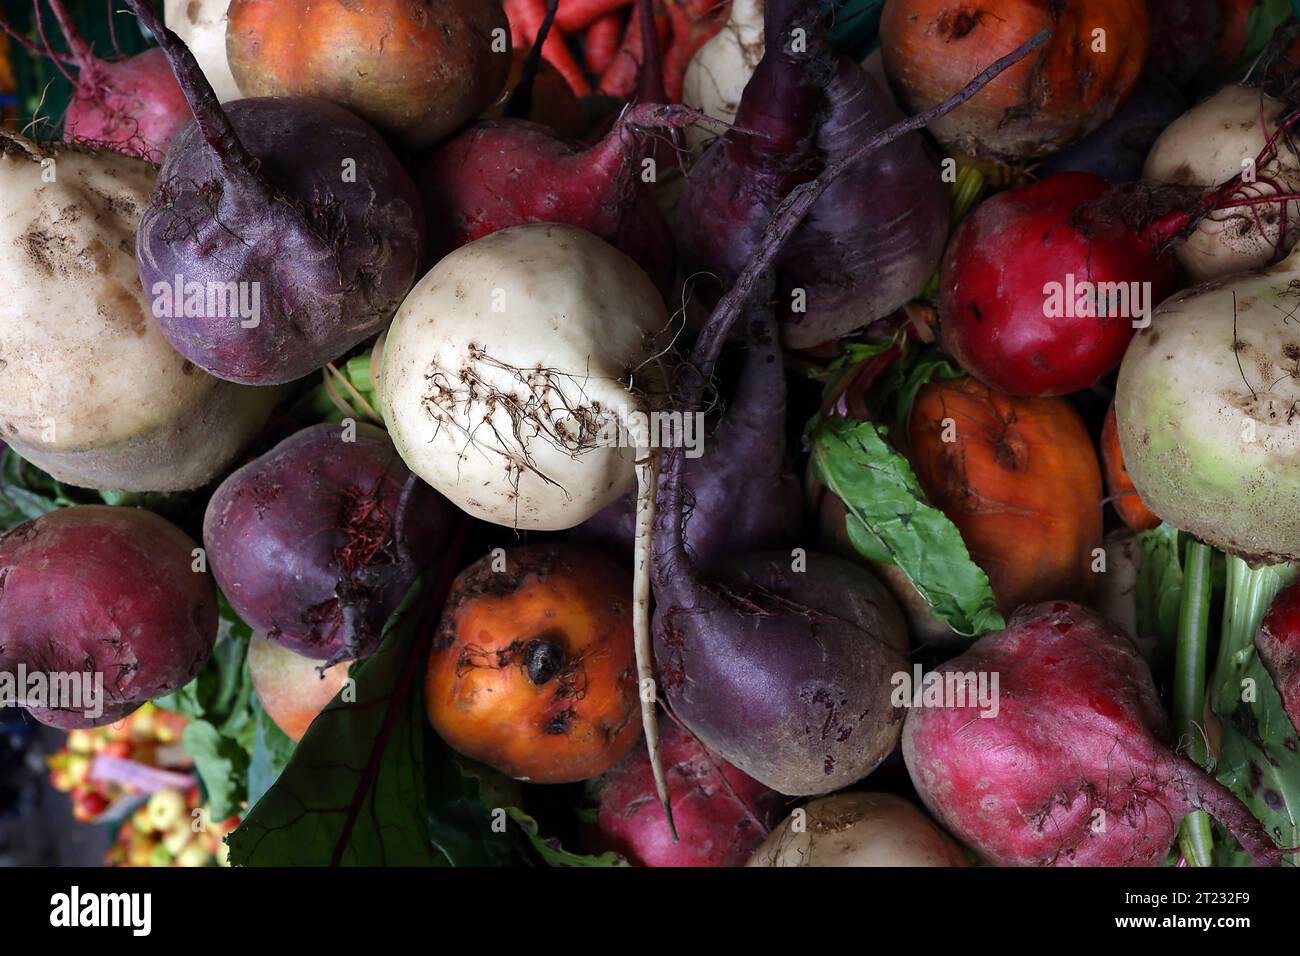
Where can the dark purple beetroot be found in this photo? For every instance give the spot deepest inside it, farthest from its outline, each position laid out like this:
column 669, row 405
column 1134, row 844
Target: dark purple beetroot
column 292, row 202
column 741, row 494
column 316, row 542
column 869, row 243
column 1184, row 35
column 1116, row 150
column 104, row 591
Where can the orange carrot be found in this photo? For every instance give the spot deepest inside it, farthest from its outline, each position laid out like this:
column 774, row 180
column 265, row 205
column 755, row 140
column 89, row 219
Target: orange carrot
column 602, row 42
column 621, row 77
column 575, row 15
column 528, row 14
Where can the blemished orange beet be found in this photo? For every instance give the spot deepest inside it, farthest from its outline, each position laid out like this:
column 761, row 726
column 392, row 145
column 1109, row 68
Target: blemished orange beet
column 415, row 69
column 1054, row 97
column 533, row 670
column 1123, row 493
column 1020, row 480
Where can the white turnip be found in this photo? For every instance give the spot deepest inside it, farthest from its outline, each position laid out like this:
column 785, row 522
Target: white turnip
column 1238, row 132
column 89, row 388
column 201, row 25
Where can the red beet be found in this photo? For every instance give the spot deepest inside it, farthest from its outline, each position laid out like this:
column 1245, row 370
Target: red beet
column 316, row 543
column 1278, row 642
column 107, row 591
column 721, row 814
column 1027, row 302
column 502, row 173
column 1074, row 767
column 132, row 106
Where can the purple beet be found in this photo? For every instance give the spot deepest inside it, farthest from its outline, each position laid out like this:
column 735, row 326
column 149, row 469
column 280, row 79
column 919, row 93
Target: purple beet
column 316, row 543
column 282, row 232
column 743, row 460
column 779, row 661
column 1116, row 150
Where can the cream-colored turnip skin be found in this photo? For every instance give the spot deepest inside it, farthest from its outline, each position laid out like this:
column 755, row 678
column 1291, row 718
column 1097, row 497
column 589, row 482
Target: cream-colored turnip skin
column 717, row 74
column 202, row 25
column 90, row 390
column 858, row 829
column 1207, row 413
column 509, row 366
column 1207, row 146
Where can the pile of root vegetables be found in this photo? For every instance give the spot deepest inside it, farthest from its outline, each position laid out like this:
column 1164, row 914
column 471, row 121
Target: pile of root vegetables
column 739, row 444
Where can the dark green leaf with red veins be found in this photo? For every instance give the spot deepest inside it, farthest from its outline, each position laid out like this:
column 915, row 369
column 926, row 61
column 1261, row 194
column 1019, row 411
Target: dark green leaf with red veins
column 889, row 519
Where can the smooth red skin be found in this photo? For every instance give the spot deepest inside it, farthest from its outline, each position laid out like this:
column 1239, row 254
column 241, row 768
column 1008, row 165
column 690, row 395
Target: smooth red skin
column 1278, row 642
column 994, row 272
column 111, row 590
column 133, row 106
column 502, row 173
column 721, row 814
column 1080, row 727
column 273, row 527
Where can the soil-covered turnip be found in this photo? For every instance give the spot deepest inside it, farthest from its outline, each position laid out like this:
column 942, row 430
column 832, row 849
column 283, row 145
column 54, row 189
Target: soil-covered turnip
column 512, row 369
column 1234, row 133
column 1206, row 407
column 90, row 390
column 110, row 593
column 316, row 543
column 1073, row 766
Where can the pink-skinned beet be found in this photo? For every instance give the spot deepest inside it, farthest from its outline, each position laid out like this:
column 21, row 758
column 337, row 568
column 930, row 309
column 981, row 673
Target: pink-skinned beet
column 1077, row 736
column 132, row 105
column 1278, row 643
column 721, row 815
column 316, row 542
column 109, row 592
column 508, row 172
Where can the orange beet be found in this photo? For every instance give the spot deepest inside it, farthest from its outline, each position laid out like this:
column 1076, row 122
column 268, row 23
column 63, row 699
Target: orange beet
column 1055, row 96
column 1020, row 480
column 1123, row 493
column 415, row 69
column 533, row 670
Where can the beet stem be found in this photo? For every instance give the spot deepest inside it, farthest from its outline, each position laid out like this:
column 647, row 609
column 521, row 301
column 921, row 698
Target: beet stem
column 1195, row 839
column 81, row 52
column 519, row 105
column 235, row 161
column 789, row 214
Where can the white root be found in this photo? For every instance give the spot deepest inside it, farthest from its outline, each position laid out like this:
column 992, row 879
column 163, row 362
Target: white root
column 647, row 475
